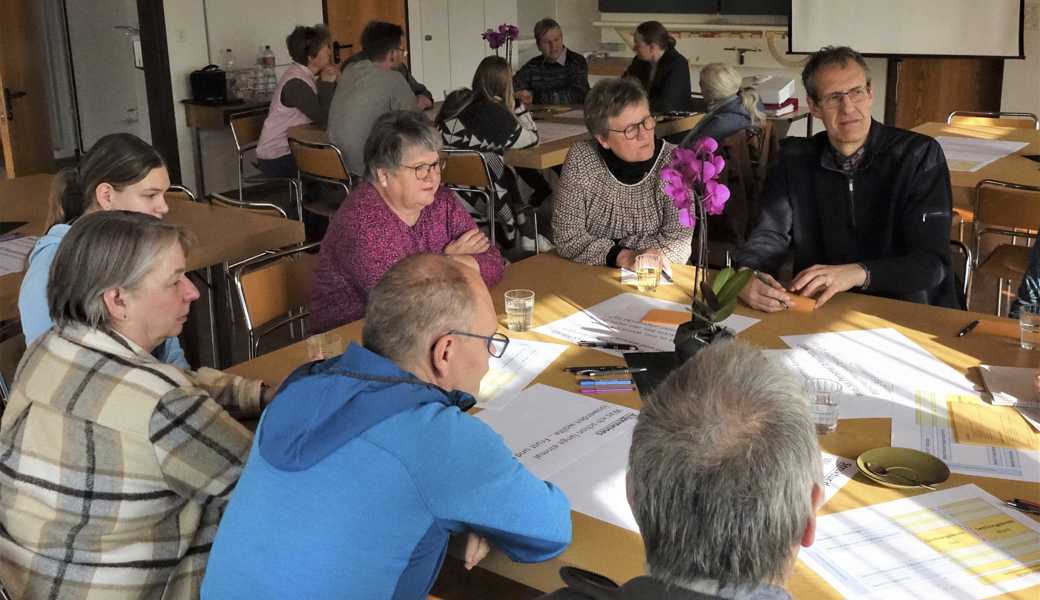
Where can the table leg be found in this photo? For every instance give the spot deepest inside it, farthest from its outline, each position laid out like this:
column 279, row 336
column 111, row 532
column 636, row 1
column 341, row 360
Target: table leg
column 200, row 180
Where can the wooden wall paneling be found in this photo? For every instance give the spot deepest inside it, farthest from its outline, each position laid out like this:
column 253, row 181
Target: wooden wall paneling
column 929, row 89
column 347, row 18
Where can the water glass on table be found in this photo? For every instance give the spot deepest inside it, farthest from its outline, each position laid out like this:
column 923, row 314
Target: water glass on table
column 648, row 272
column 324, row 345
column 1029, row 325
column 823, row 402
column 519, row 309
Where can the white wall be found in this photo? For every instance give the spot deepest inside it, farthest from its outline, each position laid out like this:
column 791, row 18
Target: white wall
column 1021, row 91
column 245, row 26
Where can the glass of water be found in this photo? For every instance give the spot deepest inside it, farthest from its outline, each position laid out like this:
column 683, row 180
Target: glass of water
column 519, row 309
column 648, row 272
column 823, row 402
column 1029, row 325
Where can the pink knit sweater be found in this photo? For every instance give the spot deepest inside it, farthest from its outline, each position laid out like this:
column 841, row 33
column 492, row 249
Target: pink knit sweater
column 365, row 238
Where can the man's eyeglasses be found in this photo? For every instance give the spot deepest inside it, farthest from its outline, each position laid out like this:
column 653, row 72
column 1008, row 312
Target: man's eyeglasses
column 856, row 95
column 496, row 344
column 649, row 123
column 423, row 171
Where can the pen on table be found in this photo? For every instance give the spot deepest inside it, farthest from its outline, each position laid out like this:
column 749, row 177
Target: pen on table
column 611, row 372
column 1027, row 507
column 967, row 328
column 667, row 276
column 604, row 382
column 607, row 345
column 593, row 368
column 606, row 390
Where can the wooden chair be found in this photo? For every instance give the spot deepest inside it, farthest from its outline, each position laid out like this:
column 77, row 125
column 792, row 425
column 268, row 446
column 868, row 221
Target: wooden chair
column 1020, row 120
column 245, row 131
column 468, row 171
column 324, row 163
column 274, row 291
column 179, row 192
column 1009, row 210
column 265, row 208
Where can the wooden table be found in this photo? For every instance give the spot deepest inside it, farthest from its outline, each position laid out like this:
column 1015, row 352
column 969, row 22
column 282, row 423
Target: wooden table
column 562, row 286
column 221, row 233
column 1014, row 168
column 539, row 156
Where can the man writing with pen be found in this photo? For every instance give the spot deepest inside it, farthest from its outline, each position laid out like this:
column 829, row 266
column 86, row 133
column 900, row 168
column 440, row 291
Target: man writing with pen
column 859, row 206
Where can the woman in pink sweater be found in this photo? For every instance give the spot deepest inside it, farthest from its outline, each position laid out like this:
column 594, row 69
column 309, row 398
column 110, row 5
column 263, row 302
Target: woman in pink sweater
column 401, row 209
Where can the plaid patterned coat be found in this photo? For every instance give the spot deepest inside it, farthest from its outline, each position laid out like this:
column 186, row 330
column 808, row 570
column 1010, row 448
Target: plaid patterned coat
column 114, row 469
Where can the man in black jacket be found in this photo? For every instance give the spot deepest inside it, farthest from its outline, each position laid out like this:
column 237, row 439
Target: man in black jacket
column 860, row 206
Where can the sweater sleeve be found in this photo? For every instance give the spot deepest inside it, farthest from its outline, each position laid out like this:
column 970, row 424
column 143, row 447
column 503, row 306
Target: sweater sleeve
column 459, row 222
column 571, row 215
column 528, row 135
column 924, row 227
column 579, row 83
column 401, row 95
column 522, row 79
column 297, row 94
column 473, row 482
column 200, row 448
column 767, row 246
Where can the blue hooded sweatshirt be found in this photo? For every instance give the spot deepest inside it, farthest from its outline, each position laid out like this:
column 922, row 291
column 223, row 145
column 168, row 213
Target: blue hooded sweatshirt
column 358, row 474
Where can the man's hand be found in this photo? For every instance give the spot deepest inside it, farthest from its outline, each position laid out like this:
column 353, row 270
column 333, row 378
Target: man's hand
column 828, row 280
column 626, row 259
column 424, row 102
column 476, row 549
column 471, row 242
column 525, row 97
column 764, row 293
column 330, row 73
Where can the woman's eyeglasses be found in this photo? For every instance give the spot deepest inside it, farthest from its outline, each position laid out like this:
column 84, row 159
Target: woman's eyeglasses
column 648, row 124
column 423, row 171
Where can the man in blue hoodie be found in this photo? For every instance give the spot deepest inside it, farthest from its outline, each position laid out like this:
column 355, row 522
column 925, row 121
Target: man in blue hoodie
column 365, row 464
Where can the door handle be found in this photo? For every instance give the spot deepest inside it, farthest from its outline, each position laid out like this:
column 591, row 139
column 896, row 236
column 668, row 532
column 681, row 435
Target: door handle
column 336, row 47
column 8, row 97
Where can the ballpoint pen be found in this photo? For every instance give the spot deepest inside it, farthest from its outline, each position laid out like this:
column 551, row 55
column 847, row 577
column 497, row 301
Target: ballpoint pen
column 607, row 345
column 967, row 328
column 606, row 390
column 612, row 372
column 1024, row 506
column 604, row 382
column 593, row 368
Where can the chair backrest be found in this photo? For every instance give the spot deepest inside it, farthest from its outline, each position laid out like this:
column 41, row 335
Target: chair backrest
column 1004, row 208
column 274, row 290
column 264, row 208
column 961, row 256
column 466, row 168
column 319, row 161
column 1020, row 120
column 246, row 128
column 179, row 192
column 735, row 223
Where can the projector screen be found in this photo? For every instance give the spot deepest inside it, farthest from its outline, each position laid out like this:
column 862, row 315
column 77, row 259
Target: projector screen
column 909, row 27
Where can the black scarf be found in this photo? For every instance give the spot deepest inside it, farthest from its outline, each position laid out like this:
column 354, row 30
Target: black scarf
column 628, row 172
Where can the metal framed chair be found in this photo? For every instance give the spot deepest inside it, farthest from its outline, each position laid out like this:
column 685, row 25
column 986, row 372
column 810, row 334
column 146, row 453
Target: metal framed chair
column 468, row 171
column 959, row 249
column 260, row 207
column 274, row 291
column 245, row 131
column 324, row 163
column 179, row 192
column 1010, row 210
column 1020, row 120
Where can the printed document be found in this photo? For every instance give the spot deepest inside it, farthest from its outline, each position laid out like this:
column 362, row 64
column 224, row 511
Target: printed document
column 960, row 543
column 618, row 319
column 971, row 154
column 576, row 442
column 523, row 361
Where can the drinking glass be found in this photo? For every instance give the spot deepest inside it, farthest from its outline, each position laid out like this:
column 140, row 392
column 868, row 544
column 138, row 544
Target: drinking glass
column 648, row 272
column 823, row 402
column 519, row 309
column 324, row 345
column 1029, row 325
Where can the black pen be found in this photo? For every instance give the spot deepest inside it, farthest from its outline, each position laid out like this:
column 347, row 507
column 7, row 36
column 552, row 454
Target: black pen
column 608, row 345
column 1023, row 507
column 593, row 368
column 611, row 372
column 967, row 328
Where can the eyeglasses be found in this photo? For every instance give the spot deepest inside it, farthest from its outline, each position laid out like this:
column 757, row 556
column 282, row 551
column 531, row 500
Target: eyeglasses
column 496, row 344
column 404, row 51
column 423, row 171
column 856, row 95
column 649, row 123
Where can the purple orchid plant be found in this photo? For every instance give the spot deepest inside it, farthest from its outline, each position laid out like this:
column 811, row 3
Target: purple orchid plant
column 505, row 34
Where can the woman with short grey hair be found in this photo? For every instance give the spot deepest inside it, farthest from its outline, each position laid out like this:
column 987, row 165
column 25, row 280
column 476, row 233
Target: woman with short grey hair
column 611, row 207
column 109, row 457
column 401, row 209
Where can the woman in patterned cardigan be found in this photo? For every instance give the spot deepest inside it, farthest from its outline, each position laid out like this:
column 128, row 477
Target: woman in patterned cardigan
column 610, row 207
column 489, row 120
column 114, row 467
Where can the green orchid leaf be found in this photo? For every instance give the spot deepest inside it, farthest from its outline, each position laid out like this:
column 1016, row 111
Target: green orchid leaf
column 709, row 297
column 724, row 312
column 721, row 278
column 734, row 285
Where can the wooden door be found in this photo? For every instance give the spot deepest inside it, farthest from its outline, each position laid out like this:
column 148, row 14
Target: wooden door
column 929, row 89
column 25, row 133
column 347, row 18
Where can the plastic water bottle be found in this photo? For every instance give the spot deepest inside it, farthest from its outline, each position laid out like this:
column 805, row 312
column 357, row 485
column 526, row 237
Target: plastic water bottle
column 229, row 60
column 267, row 62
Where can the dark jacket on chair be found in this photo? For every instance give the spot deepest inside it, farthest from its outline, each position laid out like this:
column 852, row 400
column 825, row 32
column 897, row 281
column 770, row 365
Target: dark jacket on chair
column 670, row 88
column 892, row 214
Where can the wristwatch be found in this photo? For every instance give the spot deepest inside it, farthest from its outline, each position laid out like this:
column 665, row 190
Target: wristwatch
column 866, row 280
